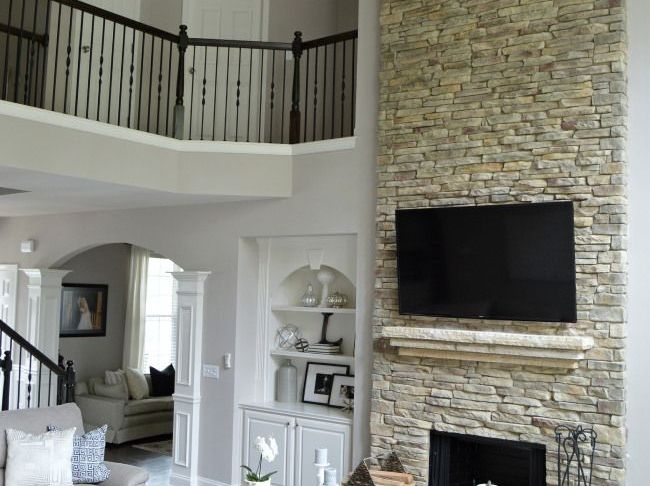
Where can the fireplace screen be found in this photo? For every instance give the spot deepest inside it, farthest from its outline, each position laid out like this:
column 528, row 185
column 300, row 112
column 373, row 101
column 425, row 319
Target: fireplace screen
column 465, row 460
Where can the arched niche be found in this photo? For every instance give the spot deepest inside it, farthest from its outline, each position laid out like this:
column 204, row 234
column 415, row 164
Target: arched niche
column 293, row 286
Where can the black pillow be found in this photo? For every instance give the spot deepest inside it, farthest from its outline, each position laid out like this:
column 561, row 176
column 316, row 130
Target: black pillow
column 162, row 382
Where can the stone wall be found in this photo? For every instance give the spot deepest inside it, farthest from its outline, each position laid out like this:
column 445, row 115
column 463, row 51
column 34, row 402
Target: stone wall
column 494, row 101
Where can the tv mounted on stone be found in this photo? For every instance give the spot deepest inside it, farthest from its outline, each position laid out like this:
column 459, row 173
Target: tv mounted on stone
column 506, row 262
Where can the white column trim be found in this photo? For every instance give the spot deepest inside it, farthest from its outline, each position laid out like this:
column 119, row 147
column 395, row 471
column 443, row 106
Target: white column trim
column 187, row 397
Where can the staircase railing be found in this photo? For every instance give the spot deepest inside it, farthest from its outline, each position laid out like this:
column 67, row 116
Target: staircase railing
column 29, row 378
column 71, row 57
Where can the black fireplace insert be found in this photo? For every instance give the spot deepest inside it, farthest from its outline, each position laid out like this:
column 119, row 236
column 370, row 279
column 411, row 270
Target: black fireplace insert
column 467, row 460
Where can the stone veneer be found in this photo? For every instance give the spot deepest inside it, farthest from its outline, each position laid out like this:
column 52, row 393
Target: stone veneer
column 494, row 101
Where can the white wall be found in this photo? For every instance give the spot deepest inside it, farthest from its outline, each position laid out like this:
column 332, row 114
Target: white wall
column 108, row 265
column 315, row 18
column 334, row 193
column 638, row 358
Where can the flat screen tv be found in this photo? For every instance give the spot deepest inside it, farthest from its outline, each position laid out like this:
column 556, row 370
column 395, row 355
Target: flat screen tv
column 508, row 262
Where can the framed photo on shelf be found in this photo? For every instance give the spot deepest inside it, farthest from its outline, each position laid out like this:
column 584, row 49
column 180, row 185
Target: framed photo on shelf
column 83, row 310
column 342, row 393
column 319, row 378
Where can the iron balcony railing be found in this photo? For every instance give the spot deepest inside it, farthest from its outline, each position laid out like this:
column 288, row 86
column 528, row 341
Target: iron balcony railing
column 71, row 57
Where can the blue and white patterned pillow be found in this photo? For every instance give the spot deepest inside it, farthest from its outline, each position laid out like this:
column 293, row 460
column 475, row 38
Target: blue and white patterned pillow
column 88, row 456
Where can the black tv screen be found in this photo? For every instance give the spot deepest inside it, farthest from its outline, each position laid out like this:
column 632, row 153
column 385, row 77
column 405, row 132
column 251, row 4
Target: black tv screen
column 510, row 262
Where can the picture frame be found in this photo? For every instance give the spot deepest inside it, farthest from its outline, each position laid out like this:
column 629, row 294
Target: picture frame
column 83, row 310
column 342, row 391
column 318, row 381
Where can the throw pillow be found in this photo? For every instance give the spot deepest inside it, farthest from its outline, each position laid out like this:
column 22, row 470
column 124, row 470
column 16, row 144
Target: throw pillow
column 138, row 386
column 114, row 377
column 162, row 381
column 88, row 456
column 119, row 391
column 39, row 459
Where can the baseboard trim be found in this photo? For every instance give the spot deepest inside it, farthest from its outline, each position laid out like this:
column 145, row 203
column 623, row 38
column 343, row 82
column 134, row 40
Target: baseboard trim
column 179, row 480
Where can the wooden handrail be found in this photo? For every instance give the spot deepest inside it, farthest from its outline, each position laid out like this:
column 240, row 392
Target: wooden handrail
column 31, row 349
column 119, row 19
column 244, row 44
column 26, row 34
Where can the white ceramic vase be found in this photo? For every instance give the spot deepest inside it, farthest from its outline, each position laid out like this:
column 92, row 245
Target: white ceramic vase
column 259, row 483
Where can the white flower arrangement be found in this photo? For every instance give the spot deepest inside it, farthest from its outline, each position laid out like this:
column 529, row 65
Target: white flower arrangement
column 268, row 449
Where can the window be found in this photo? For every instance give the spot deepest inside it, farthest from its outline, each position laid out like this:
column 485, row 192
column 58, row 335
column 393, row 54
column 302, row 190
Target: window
column 160, row 315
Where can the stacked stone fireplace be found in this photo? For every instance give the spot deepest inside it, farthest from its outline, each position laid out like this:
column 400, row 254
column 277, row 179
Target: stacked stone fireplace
column 501, row 101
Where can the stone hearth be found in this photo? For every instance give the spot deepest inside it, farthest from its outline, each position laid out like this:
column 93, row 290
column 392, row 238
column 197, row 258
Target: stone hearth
column 488, row 102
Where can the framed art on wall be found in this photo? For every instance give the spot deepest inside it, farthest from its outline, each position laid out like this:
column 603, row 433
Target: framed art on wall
column 319, row 378
column 83, row 310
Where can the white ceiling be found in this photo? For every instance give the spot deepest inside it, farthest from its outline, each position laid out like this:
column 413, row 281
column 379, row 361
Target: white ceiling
column 52, row 194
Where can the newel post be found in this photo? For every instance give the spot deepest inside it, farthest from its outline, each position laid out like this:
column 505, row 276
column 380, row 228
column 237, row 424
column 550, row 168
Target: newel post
column 70, row 382
column 179, row 109
column 294, row 117
column 6, row 366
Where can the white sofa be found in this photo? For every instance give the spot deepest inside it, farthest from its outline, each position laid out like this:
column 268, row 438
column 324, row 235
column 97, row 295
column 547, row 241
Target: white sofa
column 127, row 420
column 36, row 421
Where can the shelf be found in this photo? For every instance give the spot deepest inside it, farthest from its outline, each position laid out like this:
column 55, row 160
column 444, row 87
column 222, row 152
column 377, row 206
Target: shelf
column 324, row 358
column 313, row 310
column 299, row 409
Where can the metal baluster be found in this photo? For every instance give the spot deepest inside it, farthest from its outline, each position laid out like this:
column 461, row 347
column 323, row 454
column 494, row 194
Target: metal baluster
column 29, row 65
column 216, row 82
column 192, row 90
column 40, row 388
column 81, row 31
column 19, row 50
column 203, row 90
column 29, row 383
column 169, row 87
column 153, row 44
column 322, row 136
column 20, row 373
column 119, row 101
column 110, row 77
column 304, row 136
column 250, row 89
column 44, row 48
column 56, row 57
column 313, row 128
column 68, row 60
column 333, row 89
column 160, row 78
column 294, row 115
column 353, row 108
column 101, row 70
column 238, row 95
column 39, row 78
column 141, row 73
column 259, row 118
column 225, row 101
column 272, row 95
column 284, row 92
column 90, row 63
column 7, row 41
column 49, row 390
column 343, row 91
column 131, row 69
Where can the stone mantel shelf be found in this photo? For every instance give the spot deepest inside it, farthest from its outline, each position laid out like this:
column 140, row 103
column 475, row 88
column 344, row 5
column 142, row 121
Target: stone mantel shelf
column 489, row 346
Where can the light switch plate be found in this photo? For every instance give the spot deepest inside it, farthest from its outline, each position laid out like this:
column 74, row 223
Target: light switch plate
column 211, row 371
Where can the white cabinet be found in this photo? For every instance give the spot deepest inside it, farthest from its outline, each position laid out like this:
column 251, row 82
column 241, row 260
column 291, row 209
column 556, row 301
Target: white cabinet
column 299, row 430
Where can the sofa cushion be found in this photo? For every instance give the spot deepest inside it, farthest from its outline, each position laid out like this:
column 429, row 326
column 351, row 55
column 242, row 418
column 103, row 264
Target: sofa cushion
column 162, row 381
column 88, row 456
column 36, row 420
column 148, row 405
column 39, row 459
column 119, row 391
column 138, row 386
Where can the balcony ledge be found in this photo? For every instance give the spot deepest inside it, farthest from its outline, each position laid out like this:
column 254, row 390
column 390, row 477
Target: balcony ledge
column 549, row 351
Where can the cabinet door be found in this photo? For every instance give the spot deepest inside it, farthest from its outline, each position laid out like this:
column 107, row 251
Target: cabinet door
column 312, row 435
column 259, row 424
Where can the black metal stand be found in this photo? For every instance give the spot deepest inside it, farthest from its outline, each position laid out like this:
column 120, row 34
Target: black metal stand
column 323, row 335
column 575, row 446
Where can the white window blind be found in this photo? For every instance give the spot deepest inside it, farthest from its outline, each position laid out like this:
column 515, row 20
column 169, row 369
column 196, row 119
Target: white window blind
column 160, row 315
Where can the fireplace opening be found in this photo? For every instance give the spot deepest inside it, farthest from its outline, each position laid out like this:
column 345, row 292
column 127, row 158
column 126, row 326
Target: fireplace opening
column 467, row 460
